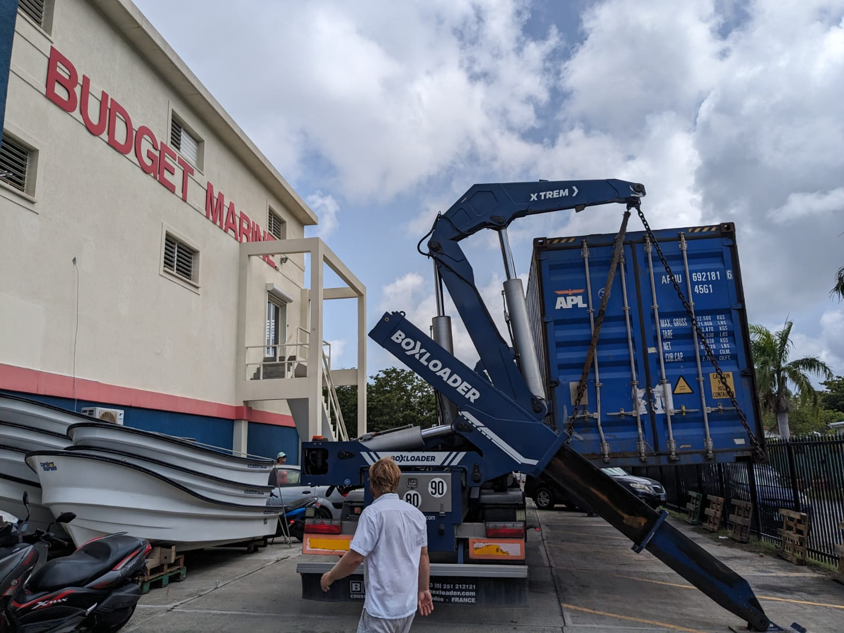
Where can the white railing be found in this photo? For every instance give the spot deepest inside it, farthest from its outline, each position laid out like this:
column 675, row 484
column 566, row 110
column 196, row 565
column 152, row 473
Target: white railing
column 287, row 360
column 331, row 402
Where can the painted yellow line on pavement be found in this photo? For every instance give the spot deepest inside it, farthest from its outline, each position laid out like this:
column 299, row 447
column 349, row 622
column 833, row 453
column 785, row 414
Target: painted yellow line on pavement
column 674, row 584
column 812, row 604
column 631, row 619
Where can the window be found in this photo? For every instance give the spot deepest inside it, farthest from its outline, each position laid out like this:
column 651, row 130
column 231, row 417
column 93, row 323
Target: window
column 276, row 225
column 15, row 165
column 276, row 328
column 35, row 9
column 180, row 259
column 184, row 141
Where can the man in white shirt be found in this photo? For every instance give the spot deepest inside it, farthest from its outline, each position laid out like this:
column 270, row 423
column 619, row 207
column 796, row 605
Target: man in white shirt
column 392, row 537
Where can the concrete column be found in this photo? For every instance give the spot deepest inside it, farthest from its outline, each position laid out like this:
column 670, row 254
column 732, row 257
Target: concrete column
column 315, row 343
column 240, row 437
column 362, row 339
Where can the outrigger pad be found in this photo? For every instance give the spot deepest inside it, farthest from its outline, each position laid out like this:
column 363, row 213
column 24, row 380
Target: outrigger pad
column 773, row 628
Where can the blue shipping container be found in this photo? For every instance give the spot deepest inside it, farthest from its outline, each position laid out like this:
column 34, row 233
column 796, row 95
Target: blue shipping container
column 645, row 386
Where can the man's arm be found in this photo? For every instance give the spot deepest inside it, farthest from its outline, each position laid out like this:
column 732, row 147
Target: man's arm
column 345, row 566
column 425, row 602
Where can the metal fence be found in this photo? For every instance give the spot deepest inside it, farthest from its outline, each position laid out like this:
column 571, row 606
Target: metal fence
column 805, row 475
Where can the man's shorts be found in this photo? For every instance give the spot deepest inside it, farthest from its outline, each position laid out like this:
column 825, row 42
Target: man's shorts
column 371, row 624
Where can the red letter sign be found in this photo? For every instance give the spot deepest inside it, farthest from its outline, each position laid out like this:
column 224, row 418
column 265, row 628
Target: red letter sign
column 187, row 170
column 152, row 154
column 125, row 146
column 165, row 167
column 54, row 77
column 215, row 209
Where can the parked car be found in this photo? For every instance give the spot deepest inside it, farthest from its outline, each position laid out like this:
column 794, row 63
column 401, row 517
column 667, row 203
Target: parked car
column 546, row 493
column 292, row 493
column 772, row 493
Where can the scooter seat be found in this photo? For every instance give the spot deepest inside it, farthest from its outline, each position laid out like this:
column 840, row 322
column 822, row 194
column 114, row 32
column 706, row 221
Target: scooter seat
column 85, row 564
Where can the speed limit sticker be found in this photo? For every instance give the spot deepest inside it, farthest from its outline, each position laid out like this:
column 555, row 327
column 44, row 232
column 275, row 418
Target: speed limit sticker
column 413, row 498
column 437, row 487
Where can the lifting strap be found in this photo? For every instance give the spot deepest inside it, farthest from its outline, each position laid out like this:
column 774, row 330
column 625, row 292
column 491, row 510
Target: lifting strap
column 618, row 249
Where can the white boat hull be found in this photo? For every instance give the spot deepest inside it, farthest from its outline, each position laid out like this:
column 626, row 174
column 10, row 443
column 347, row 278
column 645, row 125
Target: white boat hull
column 213, row 488
column 37, row 415
column 172, row 450
column 11, row 501
column 110, row 496
column 30, row 439
column 13, row 464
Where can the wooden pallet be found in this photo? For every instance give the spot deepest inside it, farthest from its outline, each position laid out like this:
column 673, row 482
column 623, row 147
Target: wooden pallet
column 714, row 513
column 693, row 508
column 738, row 523
column 793, row 535
column 251, row 546
column 163, row 573
column 839, row 550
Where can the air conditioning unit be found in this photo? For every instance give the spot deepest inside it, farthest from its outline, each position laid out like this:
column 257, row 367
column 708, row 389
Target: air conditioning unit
column 115, row 416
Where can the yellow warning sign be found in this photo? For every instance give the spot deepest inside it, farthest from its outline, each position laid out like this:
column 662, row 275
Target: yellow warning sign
column 682, row 387
column 718, row 391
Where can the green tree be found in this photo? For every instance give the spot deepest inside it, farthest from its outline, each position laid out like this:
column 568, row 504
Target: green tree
column 805, row 419
column 833, row 397
column 838, row 289
column 394, row 397
column 398, row 397
column 782, row 382
column 347, row 396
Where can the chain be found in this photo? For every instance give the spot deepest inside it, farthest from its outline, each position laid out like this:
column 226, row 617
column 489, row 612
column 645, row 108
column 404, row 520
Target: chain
column 599, row 320
column 757, row 447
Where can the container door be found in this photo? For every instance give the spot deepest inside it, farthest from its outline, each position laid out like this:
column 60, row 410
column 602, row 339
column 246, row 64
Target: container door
column 690, row 403
column 612, row 419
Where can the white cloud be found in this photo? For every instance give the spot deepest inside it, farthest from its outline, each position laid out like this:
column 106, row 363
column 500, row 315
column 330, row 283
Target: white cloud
column 725, row 110
column 326, row 208
column 338, row 346
column 801, row 205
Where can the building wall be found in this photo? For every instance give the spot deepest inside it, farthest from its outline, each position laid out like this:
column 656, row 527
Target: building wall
column 114, row 316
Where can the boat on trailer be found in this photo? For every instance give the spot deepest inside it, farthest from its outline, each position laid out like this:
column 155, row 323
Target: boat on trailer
column 250, row 471
column 109, row 495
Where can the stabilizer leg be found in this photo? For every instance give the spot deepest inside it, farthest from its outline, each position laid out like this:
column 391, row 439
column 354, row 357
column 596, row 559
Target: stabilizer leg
column 648, row 529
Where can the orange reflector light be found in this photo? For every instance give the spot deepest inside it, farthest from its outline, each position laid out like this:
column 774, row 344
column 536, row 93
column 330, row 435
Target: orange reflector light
column 505, row 530
column 317, row 438
column 496, row 549
column 326, row 544
column 322, row 526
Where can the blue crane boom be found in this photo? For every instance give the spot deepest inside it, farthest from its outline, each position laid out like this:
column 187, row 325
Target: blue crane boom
column 499, row 428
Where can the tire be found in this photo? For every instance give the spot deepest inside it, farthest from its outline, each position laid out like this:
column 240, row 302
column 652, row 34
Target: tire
column 324, row 513
column 297, row 530
column 543, row 498
column 115, row 622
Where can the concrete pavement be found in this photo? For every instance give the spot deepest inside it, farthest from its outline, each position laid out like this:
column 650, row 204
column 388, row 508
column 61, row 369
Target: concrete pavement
column 584, row 579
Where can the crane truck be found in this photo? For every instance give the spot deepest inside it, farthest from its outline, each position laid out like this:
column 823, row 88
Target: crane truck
column 500, row 417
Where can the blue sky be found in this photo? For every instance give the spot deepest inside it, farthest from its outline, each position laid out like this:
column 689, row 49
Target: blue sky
column 382, row 113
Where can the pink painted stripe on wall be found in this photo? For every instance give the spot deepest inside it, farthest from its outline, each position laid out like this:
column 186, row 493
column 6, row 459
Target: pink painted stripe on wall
column 32, row 381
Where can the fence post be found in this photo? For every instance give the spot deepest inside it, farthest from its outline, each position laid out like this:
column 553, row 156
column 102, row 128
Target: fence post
column 792, row 473
column 754, row 497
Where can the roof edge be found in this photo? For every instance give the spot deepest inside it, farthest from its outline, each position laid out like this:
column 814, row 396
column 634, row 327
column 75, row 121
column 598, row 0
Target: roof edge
column 137, row 29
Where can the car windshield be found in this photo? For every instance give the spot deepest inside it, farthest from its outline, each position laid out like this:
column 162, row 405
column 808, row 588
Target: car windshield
column 615, row 472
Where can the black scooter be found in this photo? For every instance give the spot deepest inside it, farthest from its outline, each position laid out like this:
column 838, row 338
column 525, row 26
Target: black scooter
column 93, row 589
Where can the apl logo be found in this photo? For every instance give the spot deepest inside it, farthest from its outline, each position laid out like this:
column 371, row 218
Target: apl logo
column 572, row 298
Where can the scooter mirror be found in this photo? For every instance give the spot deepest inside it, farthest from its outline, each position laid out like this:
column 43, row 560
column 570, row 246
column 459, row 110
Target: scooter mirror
column 26, row 505
column 66, row 517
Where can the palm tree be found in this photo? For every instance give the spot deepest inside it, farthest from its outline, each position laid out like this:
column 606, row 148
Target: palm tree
column 838, row 289
column 780, row 381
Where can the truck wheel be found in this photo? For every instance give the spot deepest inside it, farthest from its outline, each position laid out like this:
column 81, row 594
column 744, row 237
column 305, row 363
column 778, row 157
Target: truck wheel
column 543, row 498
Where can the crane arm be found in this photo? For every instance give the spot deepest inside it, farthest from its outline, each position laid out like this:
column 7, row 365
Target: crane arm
column 495, row 206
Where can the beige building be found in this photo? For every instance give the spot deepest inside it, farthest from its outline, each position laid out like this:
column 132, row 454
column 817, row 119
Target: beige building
column 154, row 261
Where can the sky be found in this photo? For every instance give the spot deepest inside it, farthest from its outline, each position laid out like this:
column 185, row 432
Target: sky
column 382, row 113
